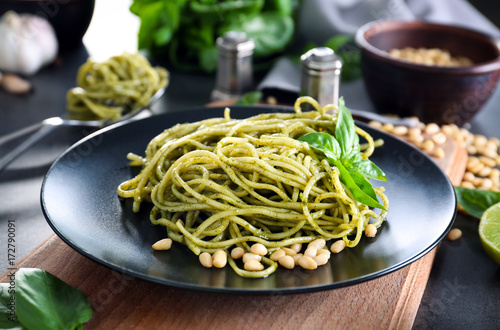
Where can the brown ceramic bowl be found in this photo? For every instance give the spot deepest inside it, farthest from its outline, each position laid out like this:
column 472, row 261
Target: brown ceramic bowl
column 70, row 18
column 433, row 93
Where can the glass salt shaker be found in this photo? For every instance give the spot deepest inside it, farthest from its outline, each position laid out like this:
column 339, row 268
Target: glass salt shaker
column 234, row 69
column 320, row 78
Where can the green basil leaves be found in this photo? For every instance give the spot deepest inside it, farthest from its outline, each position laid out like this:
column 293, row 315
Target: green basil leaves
column 476, row 201
column 36, row 299
column 343, row 151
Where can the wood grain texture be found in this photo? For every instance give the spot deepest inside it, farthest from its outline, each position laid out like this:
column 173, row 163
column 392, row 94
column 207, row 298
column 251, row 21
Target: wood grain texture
column 120, row 301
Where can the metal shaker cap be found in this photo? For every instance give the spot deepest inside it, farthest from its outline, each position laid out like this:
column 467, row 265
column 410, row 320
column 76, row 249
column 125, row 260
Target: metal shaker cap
column 321, row 69
column 237, row 42
column 321, row 59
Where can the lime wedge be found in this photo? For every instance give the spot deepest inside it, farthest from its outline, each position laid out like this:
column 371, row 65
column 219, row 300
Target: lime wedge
column 489, row 231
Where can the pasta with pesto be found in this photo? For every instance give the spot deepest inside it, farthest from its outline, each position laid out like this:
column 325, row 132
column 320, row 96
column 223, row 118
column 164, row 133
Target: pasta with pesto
column 222, row 183
column 109, row 89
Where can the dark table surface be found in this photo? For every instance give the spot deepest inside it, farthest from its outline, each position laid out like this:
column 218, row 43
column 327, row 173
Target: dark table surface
column 464, row 286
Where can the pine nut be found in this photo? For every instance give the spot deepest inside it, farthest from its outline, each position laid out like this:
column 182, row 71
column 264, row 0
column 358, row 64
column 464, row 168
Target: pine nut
column 337, row 246
column 219, row 259
column 491, row 145
column 477, row 168
column 370, row 230
column 297, row 257
column 375, row 124
column 321, row 259
column 489, row 153
column 287, row 261
column 495, row 174
column 448, row 130
column 324, row 251
column 307, row 263
column 388, row 127
column 289, row 251
column 253, row 265
column 400, row 130
column 432, row 128
column 487, row 161
column 259, row 249
column 439, row 138
column 163, row 244
column 417, row 140
column 454, row 234
column 414, row 132
column 468, row 176
column 318, row 243
column 296, row 247
column 237, row 253
column 206, row 260
column 480, row 140
column 485, row 171
column 276, row 255
column 251, row 256
column 487, row 184
column 467, row 184
column 311, row 251
column 439, row 152
column 428, row 145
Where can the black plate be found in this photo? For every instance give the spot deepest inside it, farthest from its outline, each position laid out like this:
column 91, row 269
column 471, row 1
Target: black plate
column 80, row 203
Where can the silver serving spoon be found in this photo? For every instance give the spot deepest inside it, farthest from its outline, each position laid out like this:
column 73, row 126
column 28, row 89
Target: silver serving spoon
column 46, row 126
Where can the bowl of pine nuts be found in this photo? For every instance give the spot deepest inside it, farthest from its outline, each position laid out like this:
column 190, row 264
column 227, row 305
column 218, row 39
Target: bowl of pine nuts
column 439, row 73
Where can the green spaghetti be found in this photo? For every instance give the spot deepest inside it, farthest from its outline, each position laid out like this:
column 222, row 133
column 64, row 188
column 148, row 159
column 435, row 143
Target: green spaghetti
column 222, row 183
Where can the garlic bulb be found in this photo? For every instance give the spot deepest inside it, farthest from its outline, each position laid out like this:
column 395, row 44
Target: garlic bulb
column 27, row 43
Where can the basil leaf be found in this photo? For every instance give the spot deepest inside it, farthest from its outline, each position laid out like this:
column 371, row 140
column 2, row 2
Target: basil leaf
column 270, row 31
column 323, row 142
column 249, row 98
column 476, row 201
column 337, row 41
column 369, row 169
column 43, row 301
column 345, row 134
column 360, row 188
column 150, row 15
column 8, row 318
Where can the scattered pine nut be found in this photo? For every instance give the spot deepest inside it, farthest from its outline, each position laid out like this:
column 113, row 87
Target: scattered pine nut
column 454, row 234
column 237, row 253
column 337, row 246
column 219, row 259
column 251, row 256
column 253, row 265
column 276, row 255
column 370, row 230
column 258, row 249
column 206, row 260
column 163, row 244
column 287, row 261
column 307, row 263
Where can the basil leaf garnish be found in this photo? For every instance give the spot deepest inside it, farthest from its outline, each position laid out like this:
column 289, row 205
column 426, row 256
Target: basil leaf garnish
column 369, row 169
column 476, row 201
column 343, row 151
column 43, row 301
column 361, row 189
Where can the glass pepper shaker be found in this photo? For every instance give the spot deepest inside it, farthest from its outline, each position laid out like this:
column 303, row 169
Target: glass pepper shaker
column 320, row 78
column 234, row 69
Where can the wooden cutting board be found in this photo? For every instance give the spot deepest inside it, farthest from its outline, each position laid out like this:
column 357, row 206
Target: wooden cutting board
column 120, row 301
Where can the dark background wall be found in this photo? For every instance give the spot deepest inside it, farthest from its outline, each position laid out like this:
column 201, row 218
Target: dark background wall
column 489, row 8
